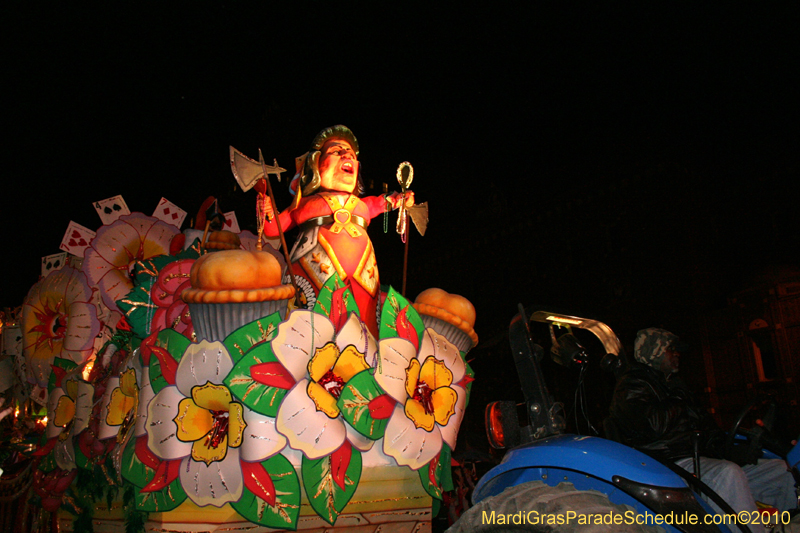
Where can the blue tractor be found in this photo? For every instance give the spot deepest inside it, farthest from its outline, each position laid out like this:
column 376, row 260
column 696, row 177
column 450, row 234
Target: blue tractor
column 552, row 481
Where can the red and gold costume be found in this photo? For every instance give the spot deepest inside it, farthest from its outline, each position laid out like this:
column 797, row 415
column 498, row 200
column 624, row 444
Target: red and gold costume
column 333, row 238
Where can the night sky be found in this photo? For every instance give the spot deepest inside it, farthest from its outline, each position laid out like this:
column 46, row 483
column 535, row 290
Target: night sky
column 572, row 151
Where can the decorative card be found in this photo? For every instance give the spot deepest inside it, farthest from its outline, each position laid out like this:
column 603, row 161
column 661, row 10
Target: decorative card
column 111, row 209
column 76, row 239
column 169, row 213
column 53, row 262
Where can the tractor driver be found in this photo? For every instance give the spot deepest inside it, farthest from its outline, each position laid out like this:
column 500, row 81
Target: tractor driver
column 654, row 412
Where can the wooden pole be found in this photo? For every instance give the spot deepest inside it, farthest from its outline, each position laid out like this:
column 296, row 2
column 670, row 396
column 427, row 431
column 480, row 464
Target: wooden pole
column 280, row 232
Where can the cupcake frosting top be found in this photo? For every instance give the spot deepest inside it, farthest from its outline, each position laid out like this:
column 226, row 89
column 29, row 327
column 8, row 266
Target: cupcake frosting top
column 236, row 276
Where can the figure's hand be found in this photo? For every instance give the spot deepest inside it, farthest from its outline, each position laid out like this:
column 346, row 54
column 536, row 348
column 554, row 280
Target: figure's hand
column 396, row 199
column 265, row 206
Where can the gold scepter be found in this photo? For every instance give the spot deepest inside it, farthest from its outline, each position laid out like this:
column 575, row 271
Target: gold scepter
column 418, row 214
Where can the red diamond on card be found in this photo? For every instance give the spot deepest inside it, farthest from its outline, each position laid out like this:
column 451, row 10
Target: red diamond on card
column 166, row 211
column 174, row 216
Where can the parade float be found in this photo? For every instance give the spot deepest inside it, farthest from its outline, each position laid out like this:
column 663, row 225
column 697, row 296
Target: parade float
column 219, row 380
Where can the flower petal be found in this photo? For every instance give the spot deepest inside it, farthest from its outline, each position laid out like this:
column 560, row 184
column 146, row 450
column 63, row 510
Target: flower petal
column 323, row 400
column 202, row 450
column 412, row 377
column 296, row 340
column 82, row 326
column 83, row 406
column 355, row 333
column 322, row 361
column 350, row 363
column 212, row 397
column 53, row 401
column 236, row 424
column 64, row 412
column 358, row 440
column 408, row 445
column 64, row 453
column 260, row 440
column 395, row 356
column 443, row 350
column 416, row 412
column 435, row 374
column 215, row 484
column 146, row 394
column 450, row 430
column 444, row 404
column 193, row 422
column 311, row 431
column 203, row 362
column 162, row 437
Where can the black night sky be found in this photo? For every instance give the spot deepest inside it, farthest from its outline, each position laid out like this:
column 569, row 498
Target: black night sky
column 632, row 162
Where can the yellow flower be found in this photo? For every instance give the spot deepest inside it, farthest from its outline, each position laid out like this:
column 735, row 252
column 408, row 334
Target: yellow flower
column 65, row 409
column 212, row 421
column 329, row 370
column 430, row 398
column 124, row 399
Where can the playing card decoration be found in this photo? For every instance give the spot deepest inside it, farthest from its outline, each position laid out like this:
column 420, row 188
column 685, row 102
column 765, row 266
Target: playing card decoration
column 169, row 213
column 59, row 319
column 116, row 249
column 53, row 262
column 231, row 222
column 111, row 209
column 76, row 239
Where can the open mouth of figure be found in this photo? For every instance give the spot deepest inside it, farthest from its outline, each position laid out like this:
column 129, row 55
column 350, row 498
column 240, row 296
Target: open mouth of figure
column 348, row 167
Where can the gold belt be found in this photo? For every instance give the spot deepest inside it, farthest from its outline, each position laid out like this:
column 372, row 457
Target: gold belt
column 329, row 219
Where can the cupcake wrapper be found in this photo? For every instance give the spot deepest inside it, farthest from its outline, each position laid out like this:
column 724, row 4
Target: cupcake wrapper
column 450, row 332
column 214, row 322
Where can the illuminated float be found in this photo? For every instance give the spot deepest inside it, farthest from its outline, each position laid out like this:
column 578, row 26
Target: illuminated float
column 237, row 393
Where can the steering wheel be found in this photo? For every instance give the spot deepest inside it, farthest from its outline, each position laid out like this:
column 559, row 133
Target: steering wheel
column 750, row 450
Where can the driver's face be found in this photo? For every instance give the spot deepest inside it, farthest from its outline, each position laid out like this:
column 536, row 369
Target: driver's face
column 338, row 166
column 671, row 361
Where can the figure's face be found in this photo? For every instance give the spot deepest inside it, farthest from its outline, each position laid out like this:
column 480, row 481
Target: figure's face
column 338, row 166
column 671, row 361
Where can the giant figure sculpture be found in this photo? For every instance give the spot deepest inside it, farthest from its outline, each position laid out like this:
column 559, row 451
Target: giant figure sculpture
column 333, row 220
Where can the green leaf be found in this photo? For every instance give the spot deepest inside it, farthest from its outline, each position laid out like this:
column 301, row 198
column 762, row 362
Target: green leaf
column 324, row 298
column 326, row 497
column 249, row 335
column 436, row 475
column 354, row 401
column 159, row 501
column 81, row 461
column 286, row 511
column 395, row 302
column 174, row 343
column 192, row 252
column 132, row 469
column 138, row 308
column 48, row 463
column 65, row 364
column 257, row 396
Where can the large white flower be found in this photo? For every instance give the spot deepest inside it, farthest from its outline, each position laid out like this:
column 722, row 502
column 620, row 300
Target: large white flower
column 68, row 411
column 321, row 362
column 59, row 319
column 198, row 421
column 430, row 399
column 118, row 246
